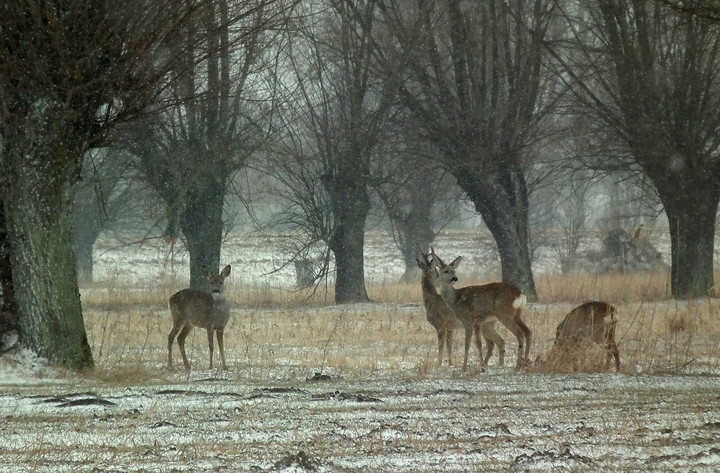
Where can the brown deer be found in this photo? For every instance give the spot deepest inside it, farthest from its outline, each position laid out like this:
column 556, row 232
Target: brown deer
column 593, row 321
column 479, row 307
column 195, row 308
column 437, row 311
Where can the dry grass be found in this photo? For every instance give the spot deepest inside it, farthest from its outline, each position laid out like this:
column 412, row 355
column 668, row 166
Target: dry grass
column 299, row 332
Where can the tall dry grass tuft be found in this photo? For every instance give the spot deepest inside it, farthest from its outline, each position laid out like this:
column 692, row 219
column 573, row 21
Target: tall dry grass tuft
column 615, row 287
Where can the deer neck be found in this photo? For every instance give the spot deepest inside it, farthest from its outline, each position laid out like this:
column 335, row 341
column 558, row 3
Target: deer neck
column 219, row 303
column 428, row 285
column 449, row 294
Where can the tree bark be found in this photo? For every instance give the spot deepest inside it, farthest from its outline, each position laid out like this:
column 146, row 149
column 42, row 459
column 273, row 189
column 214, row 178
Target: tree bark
column 691, row 204
column 43, row 169
column 351, row 206
column 500, row 196
column 202, row 225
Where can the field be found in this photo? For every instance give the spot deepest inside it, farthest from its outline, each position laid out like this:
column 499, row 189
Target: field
column 316, row 387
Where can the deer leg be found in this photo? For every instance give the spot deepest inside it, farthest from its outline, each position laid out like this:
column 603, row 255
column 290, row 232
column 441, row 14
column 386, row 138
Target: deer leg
column 616, row 354
column 171, row 339
column 493, row 338
column 468, row 337
column 441, row 333
column 449, row 345
column 181, row 343
column 210, row 344
column 528, row 338
column 221, row 345
column 611, row 351
column 478, row 343
column 518, row 328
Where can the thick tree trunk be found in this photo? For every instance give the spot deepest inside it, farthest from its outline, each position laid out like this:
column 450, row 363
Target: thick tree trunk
column 413, row 221
column 7, row 296
column 348, row 247
column 351, row 205
column 500, row 196
column 691, row 206
column 202, row 225
column 87, row 225
column 39, row 215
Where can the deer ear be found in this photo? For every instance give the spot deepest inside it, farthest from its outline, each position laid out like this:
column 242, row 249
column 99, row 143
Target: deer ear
column 435, row 258
column 456, row 262
column 206, row 272
column 226, row 271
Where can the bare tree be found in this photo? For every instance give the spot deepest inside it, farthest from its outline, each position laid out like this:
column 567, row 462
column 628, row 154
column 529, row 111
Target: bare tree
column 339, row 126
column 216, row 119
column 648, row 73
column 103, row 196
column 417, row 195
column 72, row 70
column 476, row 87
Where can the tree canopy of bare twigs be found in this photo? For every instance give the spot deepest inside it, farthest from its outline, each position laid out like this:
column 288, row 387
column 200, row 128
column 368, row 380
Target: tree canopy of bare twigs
column 476, row 84
column 647, row 73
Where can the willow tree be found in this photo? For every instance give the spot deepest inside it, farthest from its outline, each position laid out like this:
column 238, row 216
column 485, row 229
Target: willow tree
column 477, row 88
column 341, row 112
column 647, row 71
column 71, row 71
column 211, row 121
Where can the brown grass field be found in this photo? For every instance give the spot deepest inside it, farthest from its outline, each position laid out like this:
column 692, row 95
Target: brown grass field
column 655, row 334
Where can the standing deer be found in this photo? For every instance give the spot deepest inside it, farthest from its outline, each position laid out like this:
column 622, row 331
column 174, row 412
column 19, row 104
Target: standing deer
column 437, row 311
column 208, row 310
column 479, row 307
column 592, row 321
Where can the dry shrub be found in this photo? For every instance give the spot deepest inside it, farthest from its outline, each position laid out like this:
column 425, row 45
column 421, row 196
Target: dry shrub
column 580, row 356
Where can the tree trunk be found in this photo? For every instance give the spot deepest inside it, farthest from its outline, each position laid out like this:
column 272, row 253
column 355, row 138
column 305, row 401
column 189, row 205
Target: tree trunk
column 500, row 196
column 202, row 225
column 351, row 205
column 691, row 205
column 87, row 225
column 347, row 244
column 43, row 169
column 7, row 298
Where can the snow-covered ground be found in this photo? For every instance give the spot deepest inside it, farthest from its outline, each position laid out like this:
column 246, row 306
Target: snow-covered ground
column 380, row 405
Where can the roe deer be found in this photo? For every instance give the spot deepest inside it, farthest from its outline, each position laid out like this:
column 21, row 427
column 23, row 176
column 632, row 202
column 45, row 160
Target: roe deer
column 437, row 311
column 592, row 321
column 479, row 307
column 208, row 310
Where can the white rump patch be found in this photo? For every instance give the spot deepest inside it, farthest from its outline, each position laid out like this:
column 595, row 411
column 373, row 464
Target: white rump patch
column 519, row 303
